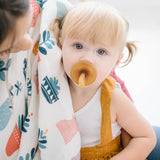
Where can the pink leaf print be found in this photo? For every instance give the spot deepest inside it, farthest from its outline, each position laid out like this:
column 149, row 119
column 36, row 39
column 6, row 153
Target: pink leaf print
column 68, row 129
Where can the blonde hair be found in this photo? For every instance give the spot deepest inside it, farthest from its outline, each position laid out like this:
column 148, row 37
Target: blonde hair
column 95, row 21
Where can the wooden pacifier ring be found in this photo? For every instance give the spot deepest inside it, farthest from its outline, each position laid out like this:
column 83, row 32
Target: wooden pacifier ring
column 83, row 73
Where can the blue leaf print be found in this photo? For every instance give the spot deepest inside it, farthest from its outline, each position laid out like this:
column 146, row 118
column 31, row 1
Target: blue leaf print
column 25, row 68
column 41, row 135
column 51, row 41
column 47, row 43
column 21, row 158
column 8, row 64
column 29, row 87
column 39, row 2
column 61, row 10
column 19, row 124
column 26, row 124
column 11, row 91
column 2, row 76
column 33, row 152
column 41, row 145
column 40, row 38
column 43, row 50
column 50, row 89
column 15, row 89
column 48, row 35
column 26, row 107
column 41, row 139
column 3, row 69
column 23, row 120
column 1, row 64
column 54, row 83
column 18, row 87
column 44, row 36
column 5, row 114
column 26, row 158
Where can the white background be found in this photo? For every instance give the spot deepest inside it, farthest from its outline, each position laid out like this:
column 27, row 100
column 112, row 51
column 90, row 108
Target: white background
column 142, row 75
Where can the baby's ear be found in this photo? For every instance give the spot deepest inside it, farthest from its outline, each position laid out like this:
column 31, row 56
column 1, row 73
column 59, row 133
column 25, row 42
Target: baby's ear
column 119, row 59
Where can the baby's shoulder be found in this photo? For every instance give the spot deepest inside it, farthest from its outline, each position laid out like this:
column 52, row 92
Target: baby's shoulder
column 120, row 102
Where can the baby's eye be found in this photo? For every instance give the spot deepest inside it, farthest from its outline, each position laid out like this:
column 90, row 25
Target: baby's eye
column 101, row 52
column 78, row 46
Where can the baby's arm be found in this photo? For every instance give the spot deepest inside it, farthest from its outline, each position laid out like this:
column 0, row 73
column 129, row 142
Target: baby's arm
column 143, row 136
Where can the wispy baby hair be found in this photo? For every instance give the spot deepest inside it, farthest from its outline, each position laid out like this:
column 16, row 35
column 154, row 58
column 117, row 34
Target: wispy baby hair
column 97, row 21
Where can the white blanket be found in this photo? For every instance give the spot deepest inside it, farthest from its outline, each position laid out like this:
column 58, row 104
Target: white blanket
column 36, row 114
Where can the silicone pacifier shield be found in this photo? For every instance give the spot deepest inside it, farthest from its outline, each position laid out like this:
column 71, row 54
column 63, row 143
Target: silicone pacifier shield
column 85, row 70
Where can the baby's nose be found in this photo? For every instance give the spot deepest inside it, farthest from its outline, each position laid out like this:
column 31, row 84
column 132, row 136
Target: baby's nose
column 88, row 58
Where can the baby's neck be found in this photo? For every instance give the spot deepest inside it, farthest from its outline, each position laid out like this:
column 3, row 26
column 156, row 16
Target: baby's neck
column 81, row 96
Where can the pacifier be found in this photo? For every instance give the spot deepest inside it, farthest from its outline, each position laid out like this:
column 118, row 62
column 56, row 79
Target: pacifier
column 83, row 73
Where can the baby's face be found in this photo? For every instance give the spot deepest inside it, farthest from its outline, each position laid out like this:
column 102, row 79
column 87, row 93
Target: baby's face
column 19, row 40
column 101, row 56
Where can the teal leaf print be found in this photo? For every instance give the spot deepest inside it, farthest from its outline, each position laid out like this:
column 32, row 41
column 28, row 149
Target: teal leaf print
column 5, row 114
column 42, row 139
column 8, row 64
column 51, row 41
column 1, row 64
column 2, row 76
column 23, row 123
column 25, row 68
column 50, row 89
column 61, row 10
column 29, row 87
column 33, row 152
column 43, row 50
column 44, row 36
column 54, row 83
column 4, row 68
column 48, row 45
column 47, row 42
column 11, row 91
column 24, row 120
column 30, row 156
column 26, row 107
column 26, row 157
column 15, row 89
column 18, row 87
column 40, row 2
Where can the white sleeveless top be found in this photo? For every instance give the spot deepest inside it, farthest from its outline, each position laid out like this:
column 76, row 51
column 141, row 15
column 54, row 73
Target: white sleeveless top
column 88, row 120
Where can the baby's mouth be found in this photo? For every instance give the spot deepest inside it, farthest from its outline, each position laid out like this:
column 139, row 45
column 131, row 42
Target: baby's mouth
column 83, row 73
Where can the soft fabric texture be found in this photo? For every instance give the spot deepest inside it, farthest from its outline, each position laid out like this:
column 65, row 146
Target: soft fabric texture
column 36, row 114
